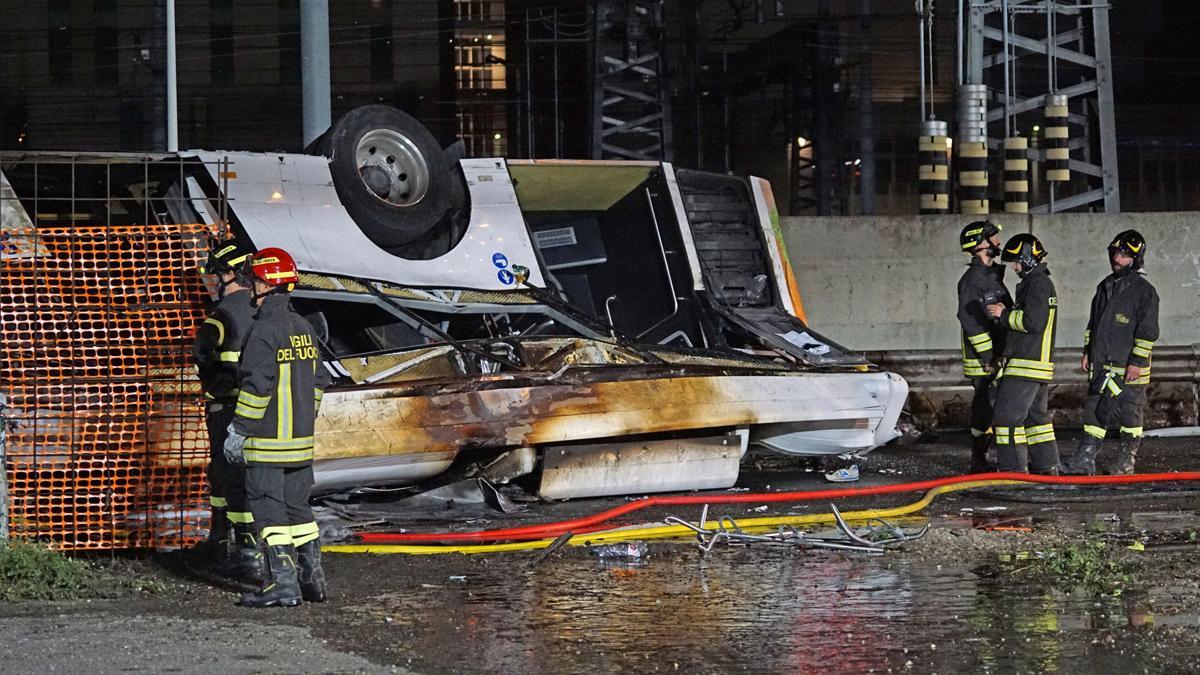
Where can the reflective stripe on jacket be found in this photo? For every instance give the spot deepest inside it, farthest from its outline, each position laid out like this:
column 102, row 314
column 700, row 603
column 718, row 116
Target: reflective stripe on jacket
column 1123, row 324
column 1032, row 322
column 980, row 336
column 282, row 381
column 218, row 344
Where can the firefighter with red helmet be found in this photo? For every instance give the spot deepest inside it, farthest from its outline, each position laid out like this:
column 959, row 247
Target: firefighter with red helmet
column 1121, row 331
column 216, row 352
column 282, row 379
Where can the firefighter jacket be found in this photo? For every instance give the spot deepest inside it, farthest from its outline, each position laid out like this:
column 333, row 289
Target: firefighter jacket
column 981, row 337
column 1031, row 323
column 282, row 379
column 1123, row 325
column 218, row 345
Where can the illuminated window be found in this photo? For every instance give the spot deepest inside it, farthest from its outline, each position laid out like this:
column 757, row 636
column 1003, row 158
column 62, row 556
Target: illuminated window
column 480, row 65
column 481, row 76
column 483, row 128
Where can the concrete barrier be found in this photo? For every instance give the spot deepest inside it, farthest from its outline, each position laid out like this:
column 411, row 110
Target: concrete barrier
column 886, row 283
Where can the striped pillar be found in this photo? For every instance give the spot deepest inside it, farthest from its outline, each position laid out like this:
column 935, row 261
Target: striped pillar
column 1016, row 175
column 1055, row 128
column 972, row 149
column 972, row 178
column 933, row 174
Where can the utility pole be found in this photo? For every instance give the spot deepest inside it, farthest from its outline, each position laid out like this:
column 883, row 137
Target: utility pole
column 314, row 67
column 866, row 116
column 154, row 97
column 172, row 88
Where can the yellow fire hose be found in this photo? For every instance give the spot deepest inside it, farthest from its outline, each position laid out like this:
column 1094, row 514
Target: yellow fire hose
column 643, row 532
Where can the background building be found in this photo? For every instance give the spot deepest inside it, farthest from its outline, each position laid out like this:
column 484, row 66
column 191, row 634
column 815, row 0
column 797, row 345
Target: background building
column 746, row 86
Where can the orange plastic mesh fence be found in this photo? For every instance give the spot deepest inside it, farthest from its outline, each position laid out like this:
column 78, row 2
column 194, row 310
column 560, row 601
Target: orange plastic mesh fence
column 95, row 336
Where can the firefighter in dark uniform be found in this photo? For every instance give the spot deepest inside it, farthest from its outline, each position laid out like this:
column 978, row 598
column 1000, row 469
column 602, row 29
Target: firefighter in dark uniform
column 1121, row 330
column 1021, row 419
column 216, row 352
column 282, row 379
column 982, row 336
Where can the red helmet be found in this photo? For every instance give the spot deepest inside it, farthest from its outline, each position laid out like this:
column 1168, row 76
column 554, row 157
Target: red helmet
column 274, row 266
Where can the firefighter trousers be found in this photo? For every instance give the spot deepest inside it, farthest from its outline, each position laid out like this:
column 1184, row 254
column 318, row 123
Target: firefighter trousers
column 981, row 406
column 1102, row 410
column 226, row 482
column 278, row 498
column 1024, row 433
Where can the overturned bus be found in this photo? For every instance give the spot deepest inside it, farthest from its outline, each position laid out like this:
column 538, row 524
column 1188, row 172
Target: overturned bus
column 608, row 327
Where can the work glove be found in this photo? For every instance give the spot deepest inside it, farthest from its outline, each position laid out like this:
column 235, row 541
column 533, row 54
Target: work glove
column 234, row 449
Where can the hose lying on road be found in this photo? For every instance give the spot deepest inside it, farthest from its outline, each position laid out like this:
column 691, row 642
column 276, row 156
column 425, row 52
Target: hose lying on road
column 590, row 530
column 589, row 523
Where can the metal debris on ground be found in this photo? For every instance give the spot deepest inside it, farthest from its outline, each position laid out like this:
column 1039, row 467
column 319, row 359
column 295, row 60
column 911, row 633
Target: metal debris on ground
column 844, row 475
column 875, row 537
column 630, row 550
column 554, row 547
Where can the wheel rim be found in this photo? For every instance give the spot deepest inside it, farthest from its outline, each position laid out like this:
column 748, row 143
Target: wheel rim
column 391, row 167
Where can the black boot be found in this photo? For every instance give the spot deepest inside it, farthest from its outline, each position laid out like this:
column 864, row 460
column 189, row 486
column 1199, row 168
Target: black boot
column 1012, row 457
column 312, row 577
column 979, row 448
column 247, row 560
column 282, row 588
column 1083, row 462
column 1043, row 458
column 1126, row 456
column 217, row 544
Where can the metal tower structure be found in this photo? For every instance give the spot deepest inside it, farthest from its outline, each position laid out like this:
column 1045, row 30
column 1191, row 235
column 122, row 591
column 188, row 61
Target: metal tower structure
column 630, row 111
column 821, row 177
column 1071, row 37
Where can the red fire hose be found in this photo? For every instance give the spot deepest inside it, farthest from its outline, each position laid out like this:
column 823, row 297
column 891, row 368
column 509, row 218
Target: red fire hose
column 598, row 521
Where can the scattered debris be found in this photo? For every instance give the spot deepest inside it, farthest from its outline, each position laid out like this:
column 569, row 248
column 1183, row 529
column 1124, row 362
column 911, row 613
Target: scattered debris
column 844, row 475
column 554, row 547
column 471, row 492
column 631, row 550
column 877, row 536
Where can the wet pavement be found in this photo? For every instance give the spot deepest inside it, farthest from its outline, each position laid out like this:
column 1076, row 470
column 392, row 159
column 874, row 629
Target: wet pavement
column 945, row 606
column 968, row 597
column 754, row 609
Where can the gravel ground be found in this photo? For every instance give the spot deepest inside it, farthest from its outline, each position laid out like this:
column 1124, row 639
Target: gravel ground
column 79, row 639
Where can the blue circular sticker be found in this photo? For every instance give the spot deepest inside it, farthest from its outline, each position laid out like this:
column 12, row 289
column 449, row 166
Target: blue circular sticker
column 499, row 260
column 505, row 277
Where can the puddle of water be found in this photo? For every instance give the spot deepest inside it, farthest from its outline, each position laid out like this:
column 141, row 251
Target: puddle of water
column 762, row 609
